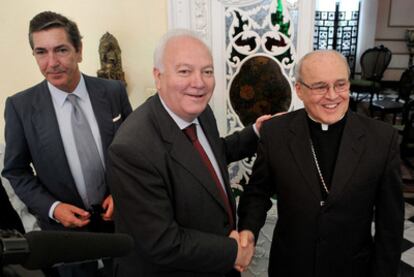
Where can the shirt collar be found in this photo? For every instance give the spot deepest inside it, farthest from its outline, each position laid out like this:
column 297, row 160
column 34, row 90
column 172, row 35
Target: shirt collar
column 60, row 96
column 182, row 124
column 324, row 126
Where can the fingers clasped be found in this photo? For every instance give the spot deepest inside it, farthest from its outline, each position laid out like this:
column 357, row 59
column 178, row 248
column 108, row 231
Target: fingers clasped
column 245, row 248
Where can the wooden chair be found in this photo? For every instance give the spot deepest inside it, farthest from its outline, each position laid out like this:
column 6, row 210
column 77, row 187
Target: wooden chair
column 374, row 62
column 398, row 105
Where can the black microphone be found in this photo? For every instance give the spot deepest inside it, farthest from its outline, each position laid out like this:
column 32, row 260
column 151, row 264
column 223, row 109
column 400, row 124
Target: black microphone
column 41, row 249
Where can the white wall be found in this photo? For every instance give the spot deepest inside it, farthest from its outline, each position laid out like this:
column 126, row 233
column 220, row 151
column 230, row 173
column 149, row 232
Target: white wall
column 367, row 23
column 136, row 24
column 391, row 34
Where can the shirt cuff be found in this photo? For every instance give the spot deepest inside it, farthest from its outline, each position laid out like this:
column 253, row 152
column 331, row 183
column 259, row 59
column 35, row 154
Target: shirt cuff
column 256, row 131
column 52, row 210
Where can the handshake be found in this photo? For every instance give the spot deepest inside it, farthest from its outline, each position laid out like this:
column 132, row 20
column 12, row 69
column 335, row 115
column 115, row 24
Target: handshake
column 245, row 249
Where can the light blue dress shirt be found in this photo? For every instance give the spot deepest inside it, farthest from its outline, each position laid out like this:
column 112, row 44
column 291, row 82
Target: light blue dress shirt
column 63, row 109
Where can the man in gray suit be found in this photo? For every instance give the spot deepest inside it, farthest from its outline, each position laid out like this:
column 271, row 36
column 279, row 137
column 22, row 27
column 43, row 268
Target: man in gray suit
column 62, row 128
column 171, row 188
column 334, row 172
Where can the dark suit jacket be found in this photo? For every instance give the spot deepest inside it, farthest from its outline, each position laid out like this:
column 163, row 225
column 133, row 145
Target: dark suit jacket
column 335, row 239
column 166, row 198
column 33, row 138
column 9, row 219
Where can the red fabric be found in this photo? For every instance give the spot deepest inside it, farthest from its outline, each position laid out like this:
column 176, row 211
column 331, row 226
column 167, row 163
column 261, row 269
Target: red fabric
column 191, row 133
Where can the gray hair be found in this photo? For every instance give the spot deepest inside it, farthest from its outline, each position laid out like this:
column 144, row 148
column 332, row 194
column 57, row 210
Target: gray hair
column 299, row 65
column 171, row 34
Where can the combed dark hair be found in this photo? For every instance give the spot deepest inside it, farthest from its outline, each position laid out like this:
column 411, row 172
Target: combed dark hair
column 48, row 20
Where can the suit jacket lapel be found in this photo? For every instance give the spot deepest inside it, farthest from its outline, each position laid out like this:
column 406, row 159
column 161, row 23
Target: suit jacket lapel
column 102, row 109
column 182, row 151
column 349, row 154
column 301, row 150
column 45, row 123
column 213, row 137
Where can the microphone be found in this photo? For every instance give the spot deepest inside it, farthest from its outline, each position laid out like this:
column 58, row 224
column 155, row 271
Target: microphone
column 41, row 249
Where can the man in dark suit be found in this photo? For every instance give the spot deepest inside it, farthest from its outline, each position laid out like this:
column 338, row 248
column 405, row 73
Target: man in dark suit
column 57, row 125
column 333, row 172
column 175, row 201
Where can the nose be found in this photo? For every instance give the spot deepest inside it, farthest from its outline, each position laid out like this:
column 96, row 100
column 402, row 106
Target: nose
column 197, row 80
column 52, row 60
column 331, row 92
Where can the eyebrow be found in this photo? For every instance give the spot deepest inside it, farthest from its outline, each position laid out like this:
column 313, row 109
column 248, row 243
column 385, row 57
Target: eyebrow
column 210, row 66
column 45, row 48
column 323, row 83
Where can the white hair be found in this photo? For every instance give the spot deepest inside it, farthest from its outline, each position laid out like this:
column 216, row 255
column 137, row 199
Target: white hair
column 171, row 34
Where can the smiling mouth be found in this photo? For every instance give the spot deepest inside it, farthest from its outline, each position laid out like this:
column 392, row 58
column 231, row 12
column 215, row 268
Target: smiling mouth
column 196, row 95
column 330, row 106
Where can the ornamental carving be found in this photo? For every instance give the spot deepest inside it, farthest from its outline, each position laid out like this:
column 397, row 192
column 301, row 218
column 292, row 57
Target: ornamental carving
column 110, row 57
column 259, row 42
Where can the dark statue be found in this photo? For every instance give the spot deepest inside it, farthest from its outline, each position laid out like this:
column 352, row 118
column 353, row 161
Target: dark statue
column 110, row 56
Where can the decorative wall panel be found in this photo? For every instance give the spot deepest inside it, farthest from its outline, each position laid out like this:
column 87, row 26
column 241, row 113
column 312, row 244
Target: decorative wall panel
column 260, row 56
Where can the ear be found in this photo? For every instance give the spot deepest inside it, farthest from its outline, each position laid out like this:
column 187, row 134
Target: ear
column 80, row 52
column 299, row 91
column 157, row 78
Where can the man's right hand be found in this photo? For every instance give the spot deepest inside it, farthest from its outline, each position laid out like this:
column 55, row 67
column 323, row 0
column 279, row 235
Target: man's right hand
column 245, row 249
column 71, row 216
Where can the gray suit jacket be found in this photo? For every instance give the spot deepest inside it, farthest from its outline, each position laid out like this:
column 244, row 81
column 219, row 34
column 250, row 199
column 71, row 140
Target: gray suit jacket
column 33, row 141
column 167, row 200
column 311, row 240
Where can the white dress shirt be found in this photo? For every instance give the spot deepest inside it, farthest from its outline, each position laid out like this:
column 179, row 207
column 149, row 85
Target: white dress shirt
column 63, row 109
column 182, row 124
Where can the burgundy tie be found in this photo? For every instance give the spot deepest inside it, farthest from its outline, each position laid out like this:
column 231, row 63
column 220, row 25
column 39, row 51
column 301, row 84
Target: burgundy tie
column 191, row 133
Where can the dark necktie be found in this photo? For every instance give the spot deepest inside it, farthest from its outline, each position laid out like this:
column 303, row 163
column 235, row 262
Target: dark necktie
column 191, row 133
column 92, row 168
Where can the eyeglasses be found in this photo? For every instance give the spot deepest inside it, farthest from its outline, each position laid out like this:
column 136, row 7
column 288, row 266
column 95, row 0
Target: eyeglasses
column 323, row 88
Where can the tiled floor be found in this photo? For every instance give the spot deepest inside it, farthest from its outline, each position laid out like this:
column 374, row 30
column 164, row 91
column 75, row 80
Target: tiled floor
column 407, row 257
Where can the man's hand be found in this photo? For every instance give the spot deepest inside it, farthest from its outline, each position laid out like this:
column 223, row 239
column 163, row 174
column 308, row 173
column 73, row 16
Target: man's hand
column 71, row 216
column 246, row 239
column 260, row 120
column 108, row 207
column 245, row 249
column 263, row 118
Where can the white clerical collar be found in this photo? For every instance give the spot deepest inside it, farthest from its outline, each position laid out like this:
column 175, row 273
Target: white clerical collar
column 324, row 126
column 182, row 124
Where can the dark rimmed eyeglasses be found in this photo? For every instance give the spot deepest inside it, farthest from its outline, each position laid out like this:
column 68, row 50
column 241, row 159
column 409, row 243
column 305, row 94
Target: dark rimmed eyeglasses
column 322, row 88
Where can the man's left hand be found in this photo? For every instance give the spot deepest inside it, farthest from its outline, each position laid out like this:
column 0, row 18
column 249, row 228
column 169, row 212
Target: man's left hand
column 108, row 206
column 260, row 120
column 263, row 118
